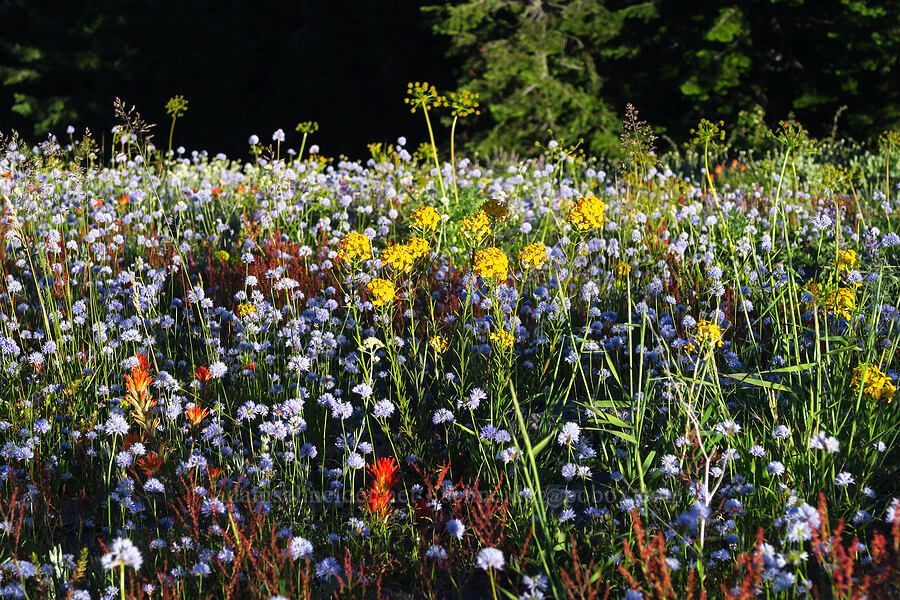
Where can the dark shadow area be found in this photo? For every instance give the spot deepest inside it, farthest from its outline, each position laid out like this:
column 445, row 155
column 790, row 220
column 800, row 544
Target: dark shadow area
column 245, row 68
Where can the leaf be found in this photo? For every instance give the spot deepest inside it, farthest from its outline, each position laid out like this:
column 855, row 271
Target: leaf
column 692, row 88
column 621, row 434
column 648, row 461
column 610, row 419
column 800, row 367
column 746, row 379
column 706, row 415
column 612, row 368
column 727, row 26
column 541, row 445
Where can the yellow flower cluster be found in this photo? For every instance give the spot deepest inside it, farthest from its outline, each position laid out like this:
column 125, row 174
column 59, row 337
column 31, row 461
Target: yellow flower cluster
column 503, row 338
column 491, row 262
column 533, row 255
column 426, row 217
column 847, row 260
column 381, row 291
column 354, row 245
column 423, row 95
column 397, row 257
column 418, row 248
column 587, row 213
column 709, row 333
column 245, row 309
column 476, row 226
column 402, row 256
column 464, row 103
column 841, row 302
column 439, row 343
column 873, row 382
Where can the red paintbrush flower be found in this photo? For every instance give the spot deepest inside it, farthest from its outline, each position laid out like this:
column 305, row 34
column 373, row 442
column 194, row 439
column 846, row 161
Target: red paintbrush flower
column 385, row 473
column 150, row 463
column 144, row 361
column 385, row 476
column 202, row 374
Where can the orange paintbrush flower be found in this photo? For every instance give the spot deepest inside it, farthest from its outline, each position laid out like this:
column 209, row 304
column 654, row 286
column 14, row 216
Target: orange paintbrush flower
column 138, row 382
column 197, row 414
column 136, row 386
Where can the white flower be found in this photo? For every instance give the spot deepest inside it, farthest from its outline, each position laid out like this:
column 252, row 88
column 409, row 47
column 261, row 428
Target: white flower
column 124, row 553
column 217, row 370
column 569, row 435
column 356, row 461
column 490, row 558
column 844, row 478
column 301, row 548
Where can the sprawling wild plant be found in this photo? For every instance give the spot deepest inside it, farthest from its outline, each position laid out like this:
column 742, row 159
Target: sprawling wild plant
column 304, row 377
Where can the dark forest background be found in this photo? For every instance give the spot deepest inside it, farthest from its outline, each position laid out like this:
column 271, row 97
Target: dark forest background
column 570, row 66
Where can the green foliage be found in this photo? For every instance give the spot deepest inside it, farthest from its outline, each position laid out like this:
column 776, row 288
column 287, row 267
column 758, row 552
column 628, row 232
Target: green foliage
column 572, row 66
column 534, row 67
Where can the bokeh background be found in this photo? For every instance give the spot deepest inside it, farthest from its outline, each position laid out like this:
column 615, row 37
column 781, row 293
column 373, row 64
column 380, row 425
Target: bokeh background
column 570, row 66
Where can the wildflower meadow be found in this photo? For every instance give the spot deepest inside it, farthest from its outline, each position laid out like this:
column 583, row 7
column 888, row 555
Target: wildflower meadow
column 669, row 374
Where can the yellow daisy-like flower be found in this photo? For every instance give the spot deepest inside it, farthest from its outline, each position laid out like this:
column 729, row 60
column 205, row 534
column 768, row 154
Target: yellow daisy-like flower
column 503, row 338
column 354, row 245
column 418, row 248
column 873, row 383
column 709, row 333
column 476, row 226
column 398, row 257
column 588, row 213
column 439, row 343
column 533, row 255
column 847, row 260
column 426, row 217
column 381, row 290
column 491, row 262
column 245, row 309
column 841, row 302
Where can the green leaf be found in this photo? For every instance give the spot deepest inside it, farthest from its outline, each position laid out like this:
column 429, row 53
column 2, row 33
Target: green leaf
column 692, row 88
column 621, row 434
column 727, row 26
column 541, row 445
column 744, row 378
column 648, row 461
